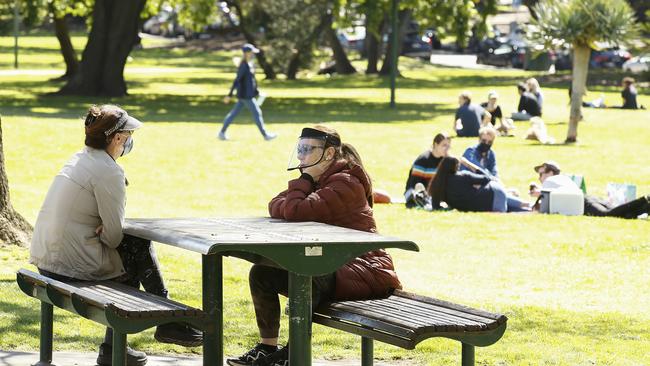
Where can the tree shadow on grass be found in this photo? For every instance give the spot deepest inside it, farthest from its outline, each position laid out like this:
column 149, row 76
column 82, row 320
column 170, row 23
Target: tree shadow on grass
column 210, row 109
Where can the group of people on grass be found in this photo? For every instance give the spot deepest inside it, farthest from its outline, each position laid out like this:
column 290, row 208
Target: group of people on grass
column 438, row 180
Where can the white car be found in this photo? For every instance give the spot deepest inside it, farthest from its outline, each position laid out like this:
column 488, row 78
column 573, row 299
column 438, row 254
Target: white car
column 638, row 63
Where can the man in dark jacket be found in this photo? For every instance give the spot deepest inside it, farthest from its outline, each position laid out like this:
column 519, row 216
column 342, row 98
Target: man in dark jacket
column 246, row 87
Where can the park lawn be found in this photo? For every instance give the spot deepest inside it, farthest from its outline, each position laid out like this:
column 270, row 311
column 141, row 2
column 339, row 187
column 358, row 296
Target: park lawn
column 574, row 288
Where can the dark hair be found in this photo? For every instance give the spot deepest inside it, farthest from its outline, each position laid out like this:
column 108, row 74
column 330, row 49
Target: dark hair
column 550, row 169
column 522, row 86
column 440, row 137
column 347, row 153
column 438, row 186
column 98, row 120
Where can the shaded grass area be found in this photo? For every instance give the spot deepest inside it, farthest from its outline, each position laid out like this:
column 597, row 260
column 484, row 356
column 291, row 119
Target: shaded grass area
column 574, row 288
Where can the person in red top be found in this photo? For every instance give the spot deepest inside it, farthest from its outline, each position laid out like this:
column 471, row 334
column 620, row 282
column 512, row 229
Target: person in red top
column 335, row 189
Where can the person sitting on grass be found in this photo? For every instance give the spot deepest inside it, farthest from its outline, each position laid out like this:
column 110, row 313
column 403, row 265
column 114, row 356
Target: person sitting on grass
column 493, row 107
column 78, row 232
column 469, row 117
column 629, row 94
column 469, row 191
column 533, row 87
column 335, row 189
column 551, row 179
column 528, row 105
column 481, row 154
column 424, row 167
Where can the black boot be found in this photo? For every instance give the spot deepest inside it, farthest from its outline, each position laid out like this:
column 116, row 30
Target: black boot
column 133, row 357
column 179, row 333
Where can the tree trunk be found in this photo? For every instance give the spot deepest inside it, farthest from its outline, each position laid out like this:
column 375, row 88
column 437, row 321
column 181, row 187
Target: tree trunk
column 373, row 43
column 404, row 18
column 269, row 73
column 67, row 50
column 14, row 229
column 114, row 33
column 580, row 69
column 343, row 65
column 304, row 47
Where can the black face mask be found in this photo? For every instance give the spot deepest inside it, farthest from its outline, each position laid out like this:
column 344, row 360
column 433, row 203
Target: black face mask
column 484, row 147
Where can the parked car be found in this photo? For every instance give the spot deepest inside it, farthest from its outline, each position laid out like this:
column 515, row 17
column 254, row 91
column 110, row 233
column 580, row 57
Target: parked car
column 165, row 24
column 637, row 64
column 500, row 51
column 415, row 46
column 612, row 57
column 352, row 38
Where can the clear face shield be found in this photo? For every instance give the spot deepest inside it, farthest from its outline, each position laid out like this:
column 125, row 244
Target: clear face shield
column 309, row 151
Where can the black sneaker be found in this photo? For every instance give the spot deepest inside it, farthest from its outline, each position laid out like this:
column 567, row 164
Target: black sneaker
column 179, row 333
column 133, row 357
column 260, row 351
column 277, row 358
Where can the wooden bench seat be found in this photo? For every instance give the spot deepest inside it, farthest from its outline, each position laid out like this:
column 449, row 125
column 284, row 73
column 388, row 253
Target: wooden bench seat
column 125, row 309
column 405, row 319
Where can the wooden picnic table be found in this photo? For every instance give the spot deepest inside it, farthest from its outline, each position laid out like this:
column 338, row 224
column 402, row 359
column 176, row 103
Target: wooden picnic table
column 304, row 249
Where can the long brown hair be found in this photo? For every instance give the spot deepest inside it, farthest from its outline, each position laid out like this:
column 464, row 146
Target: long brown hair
column 347, row 153
column 438, row 185
column 98, row 120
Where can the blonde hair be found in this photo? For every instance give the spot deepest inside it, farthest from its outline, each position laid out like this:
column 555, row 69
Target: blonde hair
column 533, row 85
column 488, row 130
column 466, row 95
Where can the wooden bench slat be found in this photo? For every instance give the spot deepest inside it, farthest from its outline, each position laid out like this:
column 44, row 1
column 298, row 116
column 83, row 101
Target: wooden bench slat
column 126, row 301
column 391, row 318
column 365, row 322
column 434, row 311
column 439, row 323
column 449, row 305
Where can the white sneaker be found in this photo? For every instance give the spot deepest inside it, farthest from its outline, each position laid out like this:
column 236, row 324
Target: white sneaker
column 222, row 136
column 270, row 136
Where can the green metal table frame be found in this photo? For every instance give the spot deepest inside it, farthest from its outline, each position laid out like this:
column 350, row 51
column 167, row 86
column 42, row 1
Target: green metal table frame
column 303, row 249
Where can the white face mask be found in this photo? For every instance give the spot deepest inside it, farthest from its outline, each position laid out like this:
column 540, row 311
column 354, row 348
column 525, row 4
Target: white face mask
column 128, row 146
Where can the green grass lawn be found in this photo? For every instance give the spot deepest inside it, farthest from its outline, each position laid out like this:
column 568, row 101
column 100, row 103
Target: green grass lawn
column 575, row 288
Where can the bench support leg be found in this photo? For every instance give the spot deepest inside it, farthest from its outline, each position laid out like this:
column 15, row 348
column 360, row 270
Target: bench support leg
column 468, row 355
column 213, row 306
column 367, row 351
column 299, row 319
column 47, row 319
column 119, row 348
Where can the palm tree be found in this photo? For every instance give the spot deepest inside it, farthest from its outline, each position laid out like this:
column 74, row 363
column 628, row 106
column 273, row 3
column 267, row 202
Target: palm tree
column 581, row 23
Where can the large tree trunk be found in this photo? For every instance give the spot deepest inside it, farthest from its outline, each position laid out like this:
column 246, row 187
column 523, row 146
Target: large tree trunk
column 304, row 47
column 404, row 18
column 114, row 33
column 14, row 229
column 580, row 69
column 343, row 65
column 67, row 50
column 269, row 73
column 373, row 45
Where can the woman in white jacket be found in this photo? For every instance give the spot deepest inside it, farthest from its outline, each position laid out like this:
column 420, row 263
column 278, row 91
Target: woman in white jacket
column 78, row 232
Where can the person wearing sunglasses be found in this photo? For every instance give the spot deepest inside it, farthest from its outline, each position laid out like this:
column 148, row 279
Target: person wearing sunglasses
column 78, row 232
column 333, row 188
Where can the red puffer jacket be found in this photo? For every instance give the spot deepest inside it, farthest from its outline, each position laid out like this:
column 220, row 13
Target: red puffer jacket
column 340, row 198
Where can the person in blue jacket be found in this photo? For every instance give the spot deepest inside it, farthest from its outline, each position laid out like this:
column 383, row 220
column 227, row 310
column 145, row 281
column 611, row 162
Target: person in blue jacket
column 482, row 154
column 246, row 87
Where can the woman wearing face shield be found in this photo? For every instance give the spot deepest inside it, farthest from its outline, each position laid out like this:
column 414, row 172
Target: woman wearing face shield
column 335, row 189
column 78, row 232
